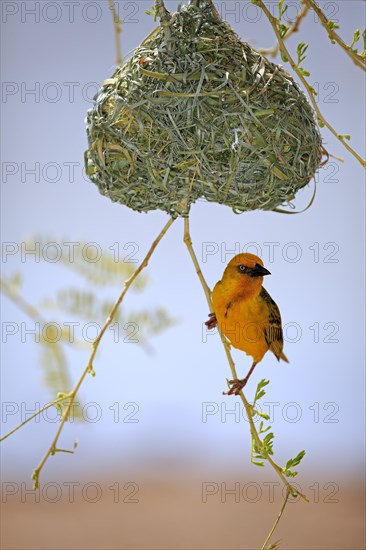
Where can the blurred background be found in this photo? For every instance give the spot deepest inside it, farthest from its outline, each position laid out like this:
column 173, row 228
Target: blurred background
column 163, row 457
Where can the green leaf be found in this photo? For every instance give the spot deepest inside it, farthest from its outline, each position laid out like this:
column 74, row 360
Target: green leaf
column 302, row 47
column 301, row 51
column 268, row 439
column 281, row 9
column 262, row 415
column 262, row 384
column 282, row 29
column 295, row 461
column 356, row 37
column 303, row 71
column 265, row 430
column 291, row 463
column 289, row 473
column 268, row 443
column 332, row 25
column 257, row 463
column 154, row 11
column 298, row 458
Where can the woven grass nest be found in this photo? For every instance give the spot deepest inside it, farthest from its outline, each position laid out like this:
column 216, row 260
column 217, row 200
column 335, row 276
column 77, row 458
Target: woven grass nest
column 197, row 113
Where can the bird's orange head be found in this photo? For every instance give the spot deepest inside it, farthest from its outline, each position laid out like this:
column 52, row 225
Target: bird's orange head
column 245, row 272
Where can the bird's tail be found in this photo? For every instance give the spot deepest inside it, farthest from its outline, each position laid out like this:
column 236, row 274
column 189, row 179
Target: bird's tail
column 283, row 357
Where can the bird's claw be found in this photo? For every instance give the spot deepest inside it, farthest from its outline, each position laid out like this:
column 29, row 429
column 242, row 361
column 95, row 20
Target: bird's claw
column 235, row 386
column 212, row 322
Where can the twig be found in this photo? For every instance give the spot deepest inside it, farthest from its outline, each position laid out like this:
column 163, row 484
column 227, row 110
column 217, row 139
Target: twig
column 188, row 241
column 276, row 522
column 310, row 90
column 51, row 404
column 294, row 28
column 334, row 37
column 89, row 367
column 164, row 16
column 117, row 32
column 290, row 490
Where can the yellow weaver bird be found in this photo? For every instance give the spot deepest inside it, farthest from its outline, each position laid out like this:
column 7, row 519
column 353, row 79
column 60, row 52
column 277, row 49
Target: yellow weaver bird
column 246, row 313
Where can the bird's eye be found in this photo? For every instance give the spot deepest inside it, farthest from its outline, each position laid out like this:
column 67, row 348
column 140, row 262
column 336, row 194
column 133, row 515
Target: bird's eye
column 242, row 268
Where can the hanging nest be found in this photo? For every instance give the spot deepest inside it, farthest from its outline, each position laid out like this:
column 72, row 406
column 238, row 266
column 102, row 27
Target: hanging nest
column 197, row 113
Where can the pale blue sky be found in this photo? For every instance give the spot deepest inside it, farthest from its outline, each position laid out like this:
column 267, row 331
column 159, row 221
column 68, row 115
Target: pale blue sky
column 171, row 386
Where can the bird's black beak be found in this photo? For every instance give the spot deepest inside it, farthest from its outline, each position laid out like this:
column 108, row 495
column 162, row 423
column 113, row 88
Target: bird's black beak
column 258, row 271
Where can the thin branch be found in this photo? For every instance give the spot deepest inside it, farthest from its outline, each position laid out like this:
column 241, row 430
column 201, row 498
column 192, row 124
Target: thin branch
column 309, row 89
column 334, row 37
column 117, row 31
column 89, row 367
column 51, row 404
column 164, row 16
column 188, row 241
column 249, row 411
column 294, row 28
column 276, row 522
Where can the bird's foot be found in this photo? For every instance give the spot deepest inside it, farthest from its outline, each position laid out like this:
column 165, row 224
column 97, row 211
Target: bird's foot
column 236, row 386
column 212, row 322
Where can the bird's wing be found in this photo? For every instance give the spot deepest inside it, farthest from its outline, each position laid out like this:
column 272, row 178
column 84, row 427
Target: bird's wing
column 273, row 330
